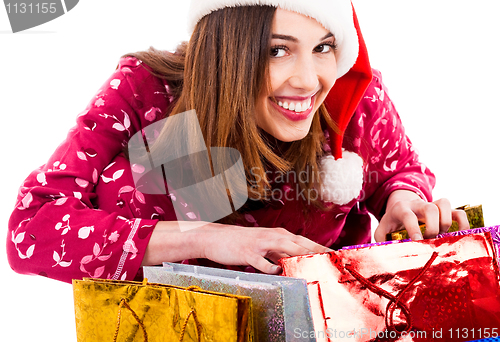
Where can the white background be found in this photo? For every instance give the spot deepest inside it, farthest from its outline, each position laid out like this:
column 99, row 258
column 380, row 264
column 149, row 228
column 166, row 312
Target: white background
column 438, row 58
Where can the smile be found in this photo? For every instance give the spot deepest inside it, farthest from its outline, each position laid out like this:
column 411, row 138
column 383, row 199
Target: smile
column 296, row 106
column 294, row 109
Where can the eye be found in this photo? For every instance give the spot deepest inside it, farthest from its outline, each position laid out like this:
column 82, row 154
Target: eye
column 278, row 51
column 325, row 48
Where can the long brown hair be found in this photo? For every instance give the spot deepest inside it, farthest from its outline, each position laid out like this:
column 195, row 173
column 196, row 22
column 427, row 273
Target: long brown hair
column 220, row 72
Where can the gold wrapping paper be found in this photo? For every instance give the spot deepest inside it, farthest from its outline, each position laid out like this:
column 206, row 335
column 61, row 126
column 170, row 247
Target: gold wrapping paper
column 166, row 312
column 474, row 215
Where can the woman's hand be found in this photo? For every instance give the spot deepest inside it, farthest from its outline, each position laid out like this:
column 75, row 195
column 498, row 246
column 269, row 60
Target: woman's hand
column 258, row 247
column 233, row 245
column 405, row 208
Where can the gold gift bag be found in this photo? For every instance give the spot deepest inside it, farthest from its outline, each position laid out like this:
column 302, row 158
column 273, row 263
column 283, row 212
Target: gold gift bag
column 107, row 310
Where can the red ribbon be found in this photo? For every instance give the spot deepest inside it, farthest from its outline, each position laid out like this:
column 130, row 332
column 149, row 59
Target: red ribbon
column 394, row 301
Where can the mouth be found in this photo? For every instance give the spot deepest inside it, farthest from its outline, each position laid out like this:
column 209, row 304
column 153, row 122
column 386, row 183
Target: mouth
column 295, row 106
column 294, row 109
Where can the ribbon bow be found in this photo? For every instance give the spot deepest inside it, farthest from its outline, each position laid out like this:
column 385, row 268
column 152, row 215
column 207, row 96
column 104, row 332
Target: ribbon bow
column 394, row 301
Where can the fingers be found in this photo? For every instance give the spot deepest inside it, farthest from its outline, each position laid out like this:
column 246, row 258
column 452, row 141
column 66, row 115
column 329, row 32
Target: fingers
column 276, row 243
column 288, row 247
column 437, row 216
column 448, row 215
column 282, row 241
column 445, row 214
column 432, row 218
column 407, row 215
column 310, row 245
column 260, row 263
column 381, row 233
column 460, row 217
column 276, row 256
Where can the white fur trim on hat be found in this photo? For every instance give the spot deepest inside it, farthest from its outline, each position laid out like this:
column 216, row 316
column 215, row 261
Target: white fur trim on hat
column 342, row 179
column 335, row 15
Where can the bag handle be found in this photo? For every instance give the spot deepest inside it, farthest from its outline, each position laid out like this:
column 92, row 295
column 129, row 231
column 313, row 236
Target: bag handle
column 198, row 325
column 123, row 303
column 394, row 301
column 193, row 288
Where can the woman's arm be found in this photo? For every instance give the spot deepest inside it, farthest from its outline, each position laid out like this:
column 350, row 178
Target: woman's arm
column 54, row 230
column 226, row 244
column 180, row 235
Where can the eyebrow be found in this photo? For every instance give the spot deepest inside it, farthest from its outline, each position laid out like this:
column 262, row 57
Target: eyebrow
column 295, row 40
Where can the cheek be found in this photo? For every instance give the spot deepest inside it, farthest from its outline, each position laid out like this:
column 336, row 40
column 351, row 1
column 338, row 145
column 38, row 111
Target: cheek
column 277, row 77
column 328, row 73
column 262, row 107
column 328, row 82
column 332, row 79
column 332, row 76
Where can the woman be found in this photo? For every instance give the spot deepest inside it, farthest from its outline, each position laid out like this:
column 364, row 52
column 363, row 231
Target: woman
column 287, row 85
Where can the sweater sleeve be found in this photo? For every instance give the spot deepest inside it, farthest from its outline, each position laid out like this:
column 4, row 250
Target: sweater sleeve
column 55, row 229
column 391, row 161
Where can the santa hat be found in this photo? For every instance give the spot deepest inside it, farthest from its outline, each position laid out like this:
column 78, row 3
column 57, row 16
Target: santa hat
column 342, row 171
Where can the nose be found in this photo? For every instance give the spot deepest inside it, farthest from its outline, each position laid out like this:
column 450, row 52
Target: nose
column 305, row 75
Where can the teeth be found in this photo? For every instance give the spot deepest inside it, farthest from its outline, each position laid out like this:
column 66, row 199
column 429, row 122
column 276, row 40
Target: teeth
column 297, row 107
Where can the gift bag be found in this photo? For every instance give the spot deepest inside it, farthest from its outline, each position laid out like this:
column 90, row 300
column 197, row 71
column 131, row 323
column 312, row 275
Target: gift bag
column 107, row 310
column 495, row 236
column 433, row 290
column 280, row 304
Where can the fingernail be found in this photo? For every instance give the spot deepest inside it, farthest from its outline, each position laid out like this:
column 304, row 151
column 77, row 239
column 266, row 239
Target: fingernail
column 276, row 269
column 417, row 237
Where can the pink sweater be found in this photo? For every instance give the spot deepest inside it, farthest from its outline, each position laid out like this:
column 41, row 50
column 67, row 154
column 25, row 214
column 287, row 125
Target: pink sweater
column 80, row 214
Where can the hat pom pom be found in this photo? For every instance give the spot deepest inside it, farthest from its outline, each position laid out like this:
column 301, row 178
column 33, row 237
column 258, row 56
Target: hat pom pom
column 342, row 179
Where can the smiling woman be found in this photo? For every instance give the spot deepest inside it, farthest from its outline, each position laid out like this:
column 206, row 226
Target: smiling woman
column 289, row 86
column 302, row 70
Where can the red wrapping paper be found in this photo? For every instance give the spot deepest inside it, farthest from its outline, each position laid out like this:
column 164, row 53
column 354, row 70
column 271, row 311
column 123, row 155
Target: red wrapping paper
column 443, row 289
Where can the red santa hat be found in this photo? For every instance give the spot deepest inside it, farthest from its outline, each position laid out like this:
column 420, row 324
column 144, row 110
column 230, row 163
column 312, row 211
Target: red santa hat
column 342, row 171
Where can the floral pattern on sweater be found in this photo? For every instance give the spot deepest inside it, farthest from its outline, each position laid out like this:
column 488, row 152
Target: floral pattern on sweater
column 80, row 214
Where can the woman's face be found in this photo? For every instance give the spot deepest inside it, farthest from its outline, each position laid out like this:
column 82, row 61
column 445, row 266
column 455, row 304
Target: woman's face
column 302, row 69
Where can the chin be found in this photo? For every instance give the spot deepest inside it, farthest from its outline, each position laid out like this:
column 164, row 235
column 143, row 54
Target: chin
column 291, row 137
column 286, row 130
